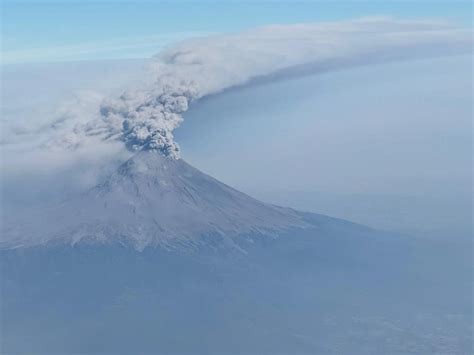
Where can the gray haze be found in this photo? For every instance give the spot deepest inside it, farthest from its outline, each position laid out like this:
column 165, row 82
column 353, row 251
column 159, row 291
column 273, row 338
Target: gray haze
column 387, row 145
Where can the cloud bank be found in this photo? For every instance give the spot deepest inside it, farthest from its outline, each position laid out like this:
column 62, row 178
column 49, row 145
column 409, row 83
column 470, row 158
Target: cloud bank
column 145, row 116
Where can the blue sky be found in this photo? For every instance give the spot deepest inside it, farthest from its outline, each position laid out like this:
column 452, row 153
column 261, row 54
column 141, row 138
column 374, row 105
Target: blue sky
column 38, row 31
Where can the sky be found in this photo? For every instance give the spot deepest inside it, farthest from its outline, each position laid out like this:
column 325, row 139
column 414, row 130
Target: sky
column 51, row 31
column 386, row 144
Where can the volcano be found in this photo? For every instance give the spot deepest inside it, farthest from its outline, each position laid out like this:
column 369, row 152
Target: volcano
column 152, row 200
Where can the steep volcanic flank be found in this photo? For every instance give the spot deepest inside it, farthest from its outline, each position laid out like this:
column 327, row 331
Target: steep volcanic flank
column 152, row 200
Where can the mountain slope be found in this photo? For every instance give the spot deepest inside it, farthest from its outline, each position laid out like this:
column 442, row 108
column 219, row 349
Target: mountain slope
column 152, row 200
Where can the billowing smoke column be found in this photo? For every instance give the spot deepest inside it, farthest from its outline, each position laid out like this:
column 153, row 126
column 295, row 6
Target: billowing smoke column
column 145, row 118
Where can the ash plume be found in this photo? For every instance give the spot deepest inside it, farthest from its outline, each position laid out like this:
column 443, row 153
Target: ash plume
column 145, row 118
